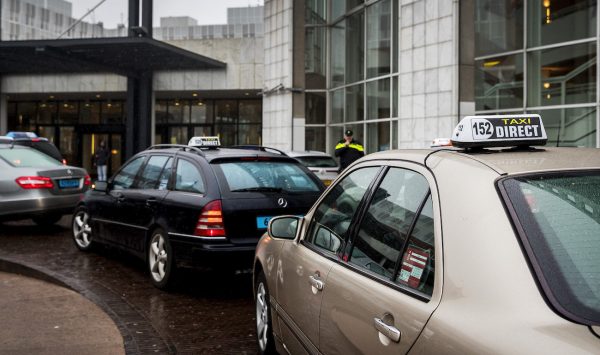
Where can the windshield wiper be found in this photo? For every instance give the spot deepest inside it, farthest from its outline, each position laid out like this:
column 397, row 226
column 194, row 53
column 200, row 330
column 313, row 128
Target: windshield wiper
column 259, row 189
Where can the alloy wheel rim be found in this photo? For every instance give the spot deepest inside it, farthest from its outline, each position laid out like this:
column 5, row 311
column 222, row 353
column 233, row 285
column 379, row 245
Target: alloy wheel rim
column 158, row 257
column 262, row 320
column 82, row 232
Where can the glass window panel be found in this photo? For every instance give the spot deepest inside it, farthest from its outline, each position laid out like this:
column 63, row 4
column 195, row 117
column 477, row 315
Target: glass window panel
column 395, row 36
column 115, row 153
column 250, row 111
column 395, row 94
column 47, row 112
column 355, row 104
column 384, row 228
column 555, row 21
column 378, row 99
column 175, row 111
column 68, row 145
column 47, row 132
column 355, row 51
column 178, row 135
column 338, row 53
column 125, row 178
column 394, row 134
column 25, row 117
column 337, row 106
column 202, row 111
column 90, row 112
column 498, row 26
column 379, row 38
column 315, row 57
column 573, row 127
column 336, row 133
column 249, row 134
column 186, row 110
column 559, row 76
column 152, row 171
column 202, row 131
column 338, row 8
column 68, row 112
column 226, row 111
column 160, row 111
column 315, row 138
column 316, row 11
column 499, row 82
column 112, row 112
column 227, row 134
column 378, row 136
column 315, row 106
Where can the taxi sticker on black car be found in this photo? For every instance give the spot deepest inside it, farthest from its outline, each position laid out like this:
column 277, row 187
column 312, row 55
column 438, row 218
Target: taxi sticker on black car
column 499, row 130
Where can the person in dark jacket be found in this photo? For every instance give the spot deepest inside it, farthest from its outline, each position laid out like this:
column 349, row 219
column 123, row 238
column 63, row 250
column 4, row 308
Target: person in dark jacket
column 100, row 160
column 349, row 150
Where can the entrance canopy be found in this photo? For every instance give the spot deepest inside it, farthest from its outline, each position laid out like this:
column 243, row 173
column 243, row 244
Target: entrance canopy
column 126, row 56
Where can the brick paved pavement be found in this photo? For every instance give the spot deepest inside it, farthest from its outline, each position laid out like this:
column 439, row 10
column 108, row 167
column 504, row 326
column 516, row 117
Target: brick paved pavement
column 208, row 312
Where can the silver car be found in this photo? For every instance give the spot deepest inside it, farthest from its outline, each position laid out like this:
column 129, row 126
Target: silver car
column 34, row 185
column 322, row 164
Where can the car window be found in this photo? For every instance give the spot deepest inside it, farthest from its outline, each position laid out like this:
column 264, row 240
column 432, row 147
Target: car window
column 125, row 178
column 188, row 178
column 165, row 175
column 332, row 218
column 288, row 176
column 559, row 215
column 25, row 158
column 152, row 171
column 383, row 233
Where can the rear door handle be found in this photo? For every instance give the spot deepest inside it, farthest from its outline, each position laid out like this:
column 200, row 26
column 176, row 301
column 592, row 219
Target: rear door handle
column 151, row 202
column 316, row 283
column 389, row 331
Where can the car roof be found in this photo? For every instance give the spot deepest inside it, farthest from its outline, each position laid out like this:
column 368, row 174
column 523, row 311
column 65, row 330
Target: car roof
column 507, row 161
column 226, row 153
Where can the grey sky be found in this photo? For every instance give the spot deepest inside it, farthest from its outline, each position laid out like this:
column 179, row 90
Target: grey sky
column 205, row 11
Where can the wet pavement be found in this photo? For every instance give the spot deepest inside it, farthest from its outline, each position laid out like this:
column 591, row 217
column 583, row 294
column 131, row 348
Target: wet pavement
column 207, row 311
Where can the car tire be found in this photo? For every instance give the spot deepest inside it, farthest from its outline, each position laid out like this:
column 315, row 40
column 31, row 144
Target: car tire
column 161, row 261
column 82, row 230
column 47, row 220
column 264, row 327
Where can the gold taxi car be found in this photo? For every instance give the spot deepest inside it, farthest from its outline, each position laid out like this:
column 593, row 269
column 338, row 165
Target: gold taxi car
column 471, row 249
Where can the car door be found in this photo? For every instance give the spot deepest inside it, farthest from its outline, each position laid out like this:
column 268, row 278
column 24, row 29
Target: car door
column 378, row 300
column 106, row 208
column 305, row 265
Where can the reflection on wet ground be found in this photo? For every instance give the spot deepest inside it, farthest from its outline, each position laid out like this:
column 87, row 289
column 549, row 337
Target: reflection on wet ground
column 207, row 311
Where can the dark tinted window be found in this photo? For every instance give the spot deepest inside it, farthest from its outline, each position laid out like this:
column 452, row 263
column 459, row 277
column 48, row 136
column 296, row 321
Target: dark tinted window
column 560, row 215
column 385, row 227
column 332, row 218
column 152, row 171
column 318, row 162
column 165, row 175
column 188, row 178
column 125, row 178
column 262, row 175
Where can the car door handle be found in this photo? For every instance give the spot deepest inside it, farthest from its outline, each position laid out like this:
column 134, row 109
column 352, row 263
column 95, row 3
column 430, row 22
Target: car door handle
column 316, row 283
column 120, row 198
column 151, row 202
column 389, row 331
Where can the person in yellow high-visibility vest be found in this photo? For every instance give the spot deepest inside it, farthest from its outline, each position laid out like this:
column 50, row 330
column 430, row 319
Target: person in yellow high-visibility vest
column 349, row 150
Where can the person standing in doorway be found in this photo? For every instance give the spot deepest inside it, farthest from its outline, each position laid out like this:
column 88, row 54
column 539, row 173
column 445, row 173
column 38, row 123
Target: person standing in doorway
column 349, row 150
column 100, row 160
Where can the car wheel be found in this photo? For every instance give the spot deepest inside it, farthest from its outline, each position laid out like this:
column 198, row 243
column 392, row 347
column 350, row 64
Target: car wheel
column 161, row 260
column 264, row 328
column 47, row 220
column 82, row 231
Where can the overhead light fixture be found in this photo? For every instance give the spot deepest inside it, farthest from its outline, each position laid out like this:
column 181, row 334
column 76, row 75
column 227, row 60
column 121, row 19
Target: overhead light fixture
column 98, row 96
column 51, row 96
column 247, row 94
column 491, row 63
column 176, row 103
column 546, row 85
column 195, row 94
column 548, row 96
column 200, row 103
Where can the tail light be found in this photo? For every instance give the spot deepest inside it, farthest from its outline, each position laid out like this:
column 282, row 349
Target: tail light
column 87, row 181
column 35, row 182
column 64, row 161
column 210, row 222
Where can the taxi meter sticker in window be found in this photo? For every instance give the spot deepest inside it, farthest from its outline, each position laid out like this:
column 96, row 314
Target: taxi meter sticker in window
column 413, row 263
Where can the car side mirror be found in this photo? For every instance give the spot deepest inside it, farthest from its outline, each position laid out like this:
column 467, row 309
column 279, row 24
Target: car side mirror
column 283, row 227
column 100, row 186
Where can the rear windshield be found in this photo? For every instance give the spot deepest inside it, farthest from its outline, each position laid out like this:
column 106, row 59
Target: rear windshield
column 276, row 176
column 318, row 162
column 560, row 217
column 25, row 158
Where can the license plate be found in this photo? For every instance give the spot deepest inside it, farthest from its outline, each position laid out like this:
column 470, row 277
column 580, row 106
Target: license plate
column 262, row 222
column 68, row 183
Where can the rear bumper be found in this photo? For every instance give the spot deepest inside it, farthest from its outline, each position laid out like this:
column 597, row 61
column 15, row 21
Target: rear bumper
column 38, row 205
column 194, row 251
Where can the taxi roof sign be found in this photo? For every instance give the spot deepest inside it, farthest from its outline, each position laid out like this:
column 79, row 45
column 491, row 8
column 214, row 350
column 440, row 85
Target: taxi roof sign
column 499, row 131
column 205, row 142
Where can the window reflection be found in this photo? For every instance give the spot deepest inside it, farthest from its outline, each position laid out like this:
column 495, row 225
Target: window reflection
column 574, row 127
column 379, row 136
column 379, row 38
column 498, row 26
column 555, row 21
column 499, row 82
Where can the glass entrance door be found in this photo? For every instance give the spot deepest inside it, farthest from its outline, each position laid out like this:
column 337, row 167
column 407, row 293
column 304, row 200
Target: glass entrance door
column 91, row 142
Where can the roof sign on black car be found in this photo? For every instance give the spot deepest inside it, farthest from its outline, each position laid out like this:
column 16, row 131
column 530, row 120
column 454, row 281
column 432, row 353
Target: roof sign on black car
column 499, row 131
column 205, row 142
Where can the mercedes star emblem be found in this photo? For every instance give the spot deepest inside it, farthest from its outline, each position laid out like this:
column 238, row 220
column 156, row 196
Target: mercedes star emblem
column 282, row 202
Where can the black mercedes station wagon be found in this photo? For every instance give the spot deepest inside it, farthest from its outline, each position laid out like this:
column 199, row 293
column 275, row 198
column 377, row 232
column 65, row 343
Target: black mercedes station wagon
column 177, row 205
